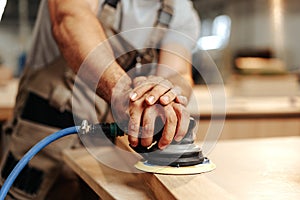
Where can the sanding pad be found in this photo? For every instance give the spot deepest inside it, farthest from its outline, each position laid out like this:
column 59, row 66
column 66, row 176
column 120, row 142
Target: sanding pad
column 206, row 166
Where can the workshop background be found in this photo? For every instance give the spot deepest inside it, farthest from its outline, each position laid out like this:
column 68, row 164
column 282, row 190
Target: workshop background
column 255, row 47
column 253, row 44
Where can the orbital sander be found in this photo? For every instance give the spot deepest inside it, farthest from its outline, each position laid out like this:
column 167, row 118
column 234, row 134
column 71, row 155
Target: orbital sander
column 183, row 157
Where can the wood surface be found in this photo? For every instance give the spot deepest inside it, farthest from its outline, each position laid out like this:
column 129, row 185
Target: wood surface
column 251, row 128
column 178, row 186
column 246, row 169
column 8, row 92
column 260, row 169
column 108, row 183
column 241, row 107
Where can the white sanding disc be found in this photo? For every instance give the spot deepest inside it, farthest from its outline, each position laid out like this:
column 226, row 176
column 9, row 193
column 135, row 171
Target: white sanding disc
column 158, row 169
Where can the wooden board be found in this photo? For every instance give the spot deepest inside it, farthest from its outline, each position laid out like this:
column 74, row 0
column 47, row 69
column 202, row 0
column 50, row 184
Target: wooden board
column 179, row 186
column 108, row 183
column 246, row 169
column 8, row 92
column 238, row 107
column 258, row 168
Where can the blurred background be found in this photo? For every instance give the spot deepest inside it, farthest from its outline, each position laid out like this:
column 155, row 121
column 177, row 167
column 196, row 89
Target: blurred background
column 241, row 37
column 251, row 37
column 251, row 46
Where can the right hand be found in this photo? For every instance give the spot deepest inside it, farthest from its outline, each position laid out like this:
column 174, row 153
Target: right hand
column 154, row 97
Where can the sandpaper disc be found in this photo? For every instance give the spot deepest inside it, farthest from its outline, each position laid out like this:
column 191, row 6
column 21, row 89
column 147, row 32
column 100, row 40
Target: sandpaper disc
column 206, row 166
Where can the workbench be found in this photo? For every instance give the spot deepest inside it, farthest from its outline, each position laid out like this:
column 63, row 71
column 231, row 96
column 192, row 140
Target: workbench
column 244, row 116
column 8, row 92
column 246, row 169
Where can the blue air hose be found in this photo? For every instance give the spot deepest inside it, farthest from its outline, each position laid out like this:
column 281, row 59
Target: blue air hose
column 32, row 152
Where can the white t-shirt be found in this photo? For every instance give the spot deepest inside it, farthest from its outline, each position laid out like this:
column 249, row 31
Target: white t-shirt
column 136, row 14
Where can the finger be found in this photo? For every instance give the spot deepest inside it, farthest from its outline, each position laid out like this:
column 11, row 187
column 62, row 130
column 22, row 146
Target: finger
column 139, row 80
column 135, row 114
column 169, row 128
column 183, row 117
column 181, row 99
column 149, row 116
column 157, row 91
column 144, row 87
column 170, row 96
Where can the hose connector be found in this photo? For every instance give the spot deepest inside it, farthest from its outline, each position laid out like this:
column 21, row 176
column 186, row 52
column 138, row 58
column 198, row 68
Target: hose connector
column 85, row 127
column 110, row 130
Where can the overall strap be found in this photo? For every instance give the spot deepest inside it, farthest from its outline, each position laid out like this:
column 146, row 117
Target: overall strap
column 108, row 16
column 108, row 13
column 164, row 17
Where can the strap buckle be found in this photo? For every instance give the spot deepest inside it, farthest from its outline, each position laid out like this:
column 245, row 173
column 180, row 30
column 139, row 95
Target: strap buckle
column 164, row 17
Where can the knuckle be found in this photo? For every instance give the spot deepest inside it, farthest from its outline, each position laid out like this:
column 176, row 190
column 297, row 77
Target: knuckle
column 172, row 119
column 166, row 140
column 133, row 124
column 166, row 84
column 148, row 130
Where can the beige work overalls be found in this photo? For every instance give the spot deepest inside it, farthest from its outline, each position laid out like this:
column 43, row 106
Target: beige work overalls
column 46, row 176
column 53, row 84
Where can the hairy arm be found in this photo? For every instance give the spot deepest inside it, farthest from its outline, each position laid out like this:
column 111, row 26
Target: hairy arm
column 77, row 32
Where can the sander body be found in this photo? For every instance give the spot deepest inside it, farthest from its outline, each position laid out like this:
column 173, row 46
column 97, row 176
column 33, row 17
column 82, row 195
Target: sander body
column 184, row 157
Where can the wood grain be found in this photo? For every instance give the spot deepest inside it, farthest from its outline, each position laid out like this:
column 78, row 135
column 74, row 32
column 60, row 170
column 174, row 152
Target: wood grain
column 179, row 186
column 260, row 169
column 246, row 169
column 108, row 183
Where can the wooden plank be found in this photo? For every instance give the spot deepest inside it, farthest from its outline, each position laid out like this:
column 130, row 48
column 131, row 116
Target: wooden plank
column 258, row 168
column 252, row 128
column 108, row 183
column 184, row 187
column 8, row 92
column 246, row 169
column 241, row 106
column 179, row 186
column 5, row 114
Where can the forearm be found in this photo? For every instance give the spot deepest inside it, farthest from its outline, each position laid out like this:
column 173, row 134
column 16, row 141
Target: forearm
column 78, row 32
column 175, row 65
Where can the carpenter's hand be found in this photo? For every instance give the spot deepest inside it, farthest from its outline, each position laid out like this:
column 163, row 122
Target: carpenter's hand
column 154, row 97
column 120, row 101
column 154, row 89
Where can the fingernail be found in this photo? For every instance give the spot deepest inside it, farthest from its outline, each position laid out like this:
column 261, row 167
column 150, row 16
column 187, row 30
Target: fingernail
column 165, row 99
column 133, row 96
column 162, row 146
column 134, row 144
column 150, row 99
column 178, row 138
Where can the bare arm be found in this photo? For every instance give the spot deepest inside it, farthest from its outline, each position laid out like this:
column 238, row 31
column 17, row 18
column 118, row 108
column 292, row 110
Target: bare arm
column 175, row 65
column 77, row 31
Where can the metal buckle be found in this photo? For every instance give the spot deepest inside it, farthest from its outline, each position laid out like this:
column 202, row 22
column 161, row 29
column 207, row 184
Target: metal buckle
column 164, row 17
